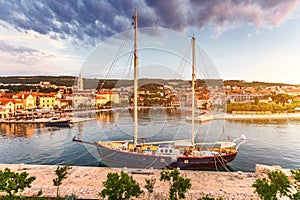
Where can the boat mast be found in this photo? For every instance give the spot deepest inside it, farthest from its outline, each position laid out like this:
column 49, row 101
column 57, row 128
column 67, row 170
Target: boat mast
column 135, row 137
column 193, row 91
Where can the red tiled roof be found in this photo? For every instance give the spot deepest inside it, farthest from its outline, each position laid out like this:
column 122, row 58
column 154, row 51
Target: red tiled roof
column 45, row 95
column 65, row 100
column 4, row 101
column 100, row 97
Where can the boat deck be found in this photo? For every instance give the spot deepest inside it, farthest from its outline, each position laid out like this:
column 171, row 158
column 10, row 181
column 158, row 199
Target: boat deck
column 154, row 149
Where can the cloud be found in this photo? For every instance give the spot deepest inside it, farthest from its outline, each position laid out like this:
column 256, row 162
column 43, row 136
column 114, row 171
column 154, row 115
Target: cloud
column 25, row 55
column 88, row 22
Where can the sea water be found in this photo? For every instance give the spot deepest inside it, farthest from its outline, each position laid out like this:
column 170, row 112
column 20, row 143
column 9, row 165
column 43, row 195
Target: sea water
column 270, row 142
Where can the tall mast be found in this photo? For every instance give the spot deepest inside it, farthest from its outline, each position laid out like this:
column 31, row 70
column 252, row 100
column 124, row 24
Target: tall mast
column 193, row 91
column 135, row 140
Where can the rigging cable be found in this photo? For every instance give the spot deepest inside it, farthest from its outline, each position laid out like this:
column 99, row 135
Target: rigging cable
column 184, row 59
column 128, row 66
column 70, row 161
column 110, row 67
column 114, row 62
column 222, row 162
column 204, row 63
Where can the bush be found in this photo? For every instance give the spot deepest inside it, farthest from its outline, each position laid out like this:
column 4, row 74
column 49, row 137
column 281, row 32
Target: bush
column 278, row 184
column 210, row 198
column 13, row 182
column 296, row 184
column 120, row 187
column 178, row 185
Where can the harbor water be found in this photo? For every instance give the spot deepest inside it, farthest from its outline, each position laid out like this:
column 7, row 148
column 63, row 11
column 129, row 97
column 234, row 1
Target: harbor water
column 270, row 142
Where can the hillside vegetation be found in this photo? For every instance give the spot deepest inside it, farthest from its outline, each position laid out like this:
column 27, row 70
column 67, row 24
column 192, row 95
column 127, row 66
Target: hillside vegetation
column 110, row 83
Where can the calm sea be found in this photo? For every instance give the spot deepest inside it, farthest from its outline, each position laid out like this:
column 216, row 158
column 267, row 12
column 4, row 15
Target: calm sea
column 270, row 142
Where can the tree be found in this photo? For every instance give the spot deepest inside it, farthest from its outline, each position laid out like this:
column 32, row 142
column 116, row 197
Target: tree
column 150, row 185
column 120, row 187
column 61, row 173
column 178, row 184
column 281, row 98
column 12, row 182
column 276, row 184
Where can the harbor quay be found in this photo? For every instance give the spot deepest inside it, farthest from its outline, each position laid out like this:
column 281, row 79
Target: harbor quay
column 87, row 182
column 43, row 120
column 262, row 116
column 226, row 116
column 201, row 118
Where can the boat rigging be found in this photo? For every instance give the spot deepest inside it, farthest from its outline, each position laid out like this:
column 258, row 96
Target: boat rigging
column 161, row 154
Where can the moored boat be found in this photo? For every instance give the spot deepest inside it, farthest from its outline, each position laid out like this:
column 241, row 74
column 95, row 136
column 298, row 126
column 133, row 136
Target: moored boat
column 58, row 122
column 172, row 154
column 161, row 154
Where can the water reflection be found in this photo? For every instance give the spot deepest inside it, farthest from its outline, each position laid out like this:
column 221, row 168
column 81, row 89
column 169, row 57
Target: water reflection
column 19, row 130
column 107, row 117
column 271, row 142
column 264, row 121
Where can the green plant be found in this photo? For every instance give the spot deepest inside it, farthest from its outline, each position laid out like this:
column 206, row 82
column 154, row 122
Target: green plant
column 276, row 184
column 296, row 184
column 71, row 197
column 120, row 187
column 210, row 198
column 178, row 184
column 40, row 192
column 150, row 185
column 61, row 173
column 13, row 182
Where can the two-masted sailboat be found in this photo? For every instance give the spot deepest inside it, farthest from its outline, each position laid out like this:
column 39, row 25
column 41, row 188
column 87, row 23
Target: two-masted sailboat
column 171, row 154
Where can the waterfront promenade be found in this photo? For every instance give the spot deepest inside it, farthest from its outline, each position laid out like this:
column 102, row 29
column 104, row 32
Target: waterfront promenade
column 226, row 116
column 201, row 118
column 262, row 116
column 87, row 182
column 43, row 120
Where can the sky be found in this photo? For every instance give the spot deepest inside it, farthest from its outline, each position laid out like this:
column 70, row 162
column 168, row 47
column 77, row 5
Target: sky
column 250, row 40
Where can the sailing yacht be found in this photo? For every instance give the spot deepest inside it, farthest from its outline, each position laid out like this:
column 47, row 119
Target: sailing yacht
column 172, row 154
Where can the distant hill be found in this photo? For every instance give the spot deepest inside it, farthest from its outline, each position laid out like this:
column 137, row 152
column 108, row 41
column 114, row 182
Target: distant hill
column 256, row 84
column 56, row 80
column 96, row 83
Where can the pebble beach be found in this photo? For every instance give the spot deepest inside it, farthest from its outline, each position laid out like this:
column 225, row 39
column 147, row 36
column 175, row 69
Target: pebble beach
column 87, row 182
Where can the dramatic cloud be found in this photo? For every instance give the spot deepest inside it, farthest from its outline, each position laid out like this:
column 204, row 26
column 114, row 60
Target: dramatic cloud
column 87, row 22
column 21, row 54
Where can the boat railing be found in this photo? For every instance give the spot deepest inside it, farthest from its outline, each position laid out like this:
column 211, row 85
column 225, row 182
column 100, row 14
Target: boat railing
column 241, row 140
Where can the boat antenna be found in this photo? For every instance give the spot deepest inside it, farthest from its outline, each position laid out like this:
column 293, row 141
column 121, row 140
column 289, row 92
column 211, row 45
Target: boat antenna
column 193, row 91
column 135, row 137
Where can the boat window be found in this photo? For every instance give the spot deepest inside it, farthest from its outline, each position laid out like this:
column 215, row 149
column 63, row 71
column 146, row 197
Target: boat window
column 166, row 150
column 161, row 150
column 170, row 150
column 186, row 161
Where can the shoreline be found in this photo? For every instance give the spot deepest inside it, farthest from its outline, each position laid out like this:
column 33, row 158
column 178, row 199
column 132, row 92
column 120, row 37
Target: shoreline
column 232, row 117
column 73, row 120
column 87, row 182
column 263, row 116
column 201, row 118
